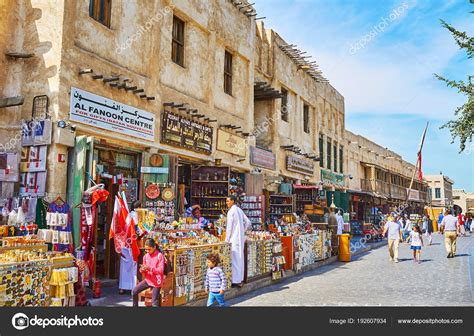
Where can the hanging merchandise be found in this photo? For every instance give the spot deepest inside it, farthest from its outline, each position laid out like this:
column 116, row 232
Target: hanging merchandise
column 33, row 184
column 33, row 159
column 152, row 191
column 58, row 219
column 9, row 171
column 36, row 132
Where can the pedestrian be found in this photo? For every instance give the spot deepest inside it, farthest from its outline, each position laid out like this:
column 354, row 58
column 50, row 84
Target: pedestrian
column 469, row 225
column 429, row 230
column 440, row 219
column 237, row 224
column 215, row 281
column 340, row 223
column 416, row 243
column 425, row 224
column 461, row 224
column 394, row 230
column 450, row 227
column 152, row 270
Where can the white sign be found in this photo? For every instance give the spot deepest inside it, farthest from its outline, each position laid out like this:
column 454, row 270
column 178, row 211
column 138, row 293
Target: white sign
column 90, row 109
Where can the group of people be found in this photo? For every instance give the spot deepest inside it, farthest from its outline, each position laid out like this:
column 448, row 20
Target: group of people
column 154, row 262
column 399, row 229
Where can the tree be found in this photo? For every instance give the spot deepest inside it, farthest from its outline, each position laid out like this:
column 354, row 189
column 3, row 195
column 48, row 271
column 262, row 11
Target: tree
column 463, row 126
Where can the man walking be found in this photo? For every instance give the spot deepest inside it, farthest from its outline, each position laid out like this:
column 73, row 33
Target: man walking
column 450, row 227
column 394, row 237
column 440, row 219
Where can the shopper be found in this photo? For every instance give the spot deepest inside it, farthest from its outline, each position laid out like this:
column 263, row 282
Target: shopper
column 440, row 219
column 450, row 227
column 416, row 243
column 152, row 270
column 237, row 224
column 461, row 224
column 215, row 281
column 394, row 230
column 429, row 230
column 469, row 226
column 425, row 224
column 340, row 223
column 195, row 212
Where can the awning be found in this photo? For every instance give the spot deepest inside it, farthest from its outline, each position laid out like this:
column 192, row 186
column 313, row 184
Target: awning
column 350, row 191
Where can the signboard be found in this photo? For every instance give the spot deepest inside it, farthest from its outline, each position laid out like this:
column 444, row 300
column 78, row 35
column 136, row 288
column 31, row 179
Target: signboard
column 335, row 178
column 299, row 165
column 90, row 109
column 262, row 158
column 179, row 131
column 231, row 143
column 414, row 195
column 154, row 170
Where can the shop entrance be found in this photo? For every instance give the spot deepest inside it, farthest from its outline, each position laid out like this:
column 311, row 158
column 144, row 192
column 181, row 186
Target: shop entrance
column 118, row 170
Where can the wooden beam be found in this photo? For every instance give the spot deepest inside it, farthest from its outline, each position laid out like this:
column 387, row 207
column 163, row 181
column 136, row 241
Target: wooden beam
column 11, row 101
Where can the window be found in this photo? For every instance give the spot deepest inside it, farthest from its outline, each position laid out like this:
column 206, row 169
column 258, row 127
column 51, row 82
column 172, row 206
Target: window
column 284, row 105
column 306, row 118
column 341, row 160
column 177, row 47
column 321, row 150
column 228, row 73
column 437, row 192
column 430, row 193
column 100, row 10
column 328, row 162
column 335, row 157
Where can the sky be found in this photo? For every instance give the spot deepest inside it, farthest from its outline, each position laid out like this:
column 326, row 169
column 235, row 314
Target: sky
column 381, row 56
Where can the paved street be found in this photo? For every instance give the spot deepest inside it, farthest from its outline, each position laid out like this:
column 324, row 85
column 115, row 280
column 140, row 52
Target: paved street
column 372, row 280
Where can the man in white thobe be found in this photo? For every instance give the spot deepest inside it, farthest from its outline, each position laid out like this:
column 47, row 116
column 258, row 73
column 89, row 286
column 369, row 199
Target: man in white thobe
column 340, row 223
column 237, row 224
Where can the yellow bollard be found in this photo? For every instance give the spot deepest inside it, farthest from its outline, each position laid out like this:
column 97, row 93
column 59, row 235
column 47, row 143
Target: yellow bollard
column 345, row 247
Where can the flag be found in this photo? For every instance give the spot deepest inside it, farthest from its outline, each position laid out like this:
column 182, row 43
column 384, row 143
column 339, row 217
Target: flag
column 122, row 228
column 420, row 172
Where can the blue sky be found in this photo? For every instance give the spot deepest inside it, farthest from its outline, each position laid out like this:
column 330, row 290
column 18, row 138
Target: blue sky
column 381, row 55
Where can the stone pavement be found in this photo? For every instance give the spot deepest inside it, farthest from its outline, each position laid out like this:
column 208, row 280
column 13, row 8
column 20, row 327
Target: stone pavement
column 372, row 280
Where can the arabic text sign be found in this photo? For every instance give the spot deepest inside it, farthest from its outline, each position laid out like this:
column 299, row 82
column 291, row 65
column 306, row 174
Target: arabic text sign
column 262, row 158
column 328, row 176
column 179, row 131
column 90, row 109
column 230, row 143
column 299, row 165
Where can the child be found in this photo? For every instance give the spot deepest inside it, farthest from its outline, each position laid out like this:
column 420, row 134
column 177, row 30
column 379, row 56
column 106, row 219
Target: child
column 416, row 243
column 215, row 281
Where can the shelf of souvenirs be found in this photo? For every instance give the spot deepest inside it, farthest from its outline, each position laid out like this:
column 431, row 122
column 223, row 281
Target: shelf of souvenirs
column 24, row 243
column 20, row 255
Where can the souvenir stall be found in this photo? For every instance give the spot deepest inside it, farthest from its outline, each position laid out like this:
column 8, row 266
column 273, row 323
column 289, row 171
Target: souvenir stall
column 259, row 254
column 254, row 208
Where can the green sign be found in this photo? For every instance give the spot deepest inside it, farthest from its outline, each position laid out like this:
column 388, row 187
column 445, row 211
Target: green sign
column 330, row 177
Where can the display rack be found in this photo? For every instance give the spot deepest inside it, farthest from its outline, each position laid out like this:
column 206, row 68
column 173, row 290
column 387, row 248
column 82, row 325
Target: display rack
column 304, row 196
column 209, row 189
column 280, row 205
column 254, row 208
column 258, row 261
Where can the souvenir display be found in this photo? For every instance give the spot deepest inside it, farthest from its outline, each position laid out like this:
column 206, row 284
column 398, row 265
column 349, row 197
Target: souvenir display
column 152, row 191
column 254, row 209
column 210, row 188
column 62, row 286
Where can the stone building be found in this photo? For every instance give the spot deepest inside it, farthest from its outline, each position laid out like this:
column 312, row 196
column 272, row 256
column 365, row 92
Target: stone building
column 380, row 178
column 440, row 190
column 464, row 200
column 302, row 112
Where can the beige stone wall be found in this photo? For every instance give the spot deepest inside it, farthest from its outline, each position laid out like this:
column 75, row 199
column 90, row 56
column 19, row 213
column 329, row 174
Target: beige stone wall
column 325, row 103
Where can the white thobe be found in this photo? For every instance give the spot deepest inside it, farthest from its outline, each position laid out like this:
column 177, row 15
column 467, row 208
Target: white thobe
column 340, row 224
column 237, row 224
column 128, row 270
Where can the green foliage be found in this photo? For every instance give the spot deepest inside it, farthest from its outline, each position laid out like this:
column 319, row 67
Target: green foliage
column 463, row 126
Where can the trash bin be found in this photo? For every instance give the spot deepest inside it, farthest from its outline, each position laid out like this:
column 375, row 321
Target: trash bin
column 345, row 247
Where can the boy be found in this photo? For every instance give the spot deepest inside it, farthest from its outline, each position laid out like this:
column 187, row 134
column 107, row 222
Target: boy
column 215, row 281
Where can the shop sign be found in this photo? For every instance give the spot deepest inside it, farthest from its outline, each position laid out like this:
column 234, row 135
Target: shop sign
column 154, row 170
column 414, row 195
column 179, row 131
column 330, row 177
column 231, row 143
column 97, row 111
column 299, row 165
column 262, row 158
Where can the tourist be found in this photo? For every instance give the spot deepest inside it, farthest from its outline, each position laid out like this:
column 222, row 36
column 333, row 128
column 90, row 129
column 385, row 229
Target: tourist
column 450, row 227
column 416, row 243
column 461, row 224
column 469, row 226
column 237, row 224
column 215, row 281
column 152, row 270
column 440, row 219
column 394, row 230
column 429, row 230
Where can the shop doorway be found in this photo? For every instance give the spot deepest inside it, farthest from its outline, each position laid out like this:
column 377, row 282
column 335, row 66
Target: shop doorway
column 118, row 170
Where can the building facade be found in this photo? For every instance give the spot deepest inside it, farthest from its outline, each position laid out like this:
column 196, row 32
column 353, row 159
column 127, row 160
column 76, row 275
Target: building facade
column 440, row 190
column 464, row 200
column 380, row 179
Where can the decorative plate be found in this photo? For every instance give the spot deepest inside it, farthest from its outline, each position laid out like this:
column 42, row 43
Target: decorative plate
column 152, row 191
column 167, row 195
